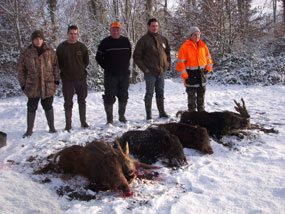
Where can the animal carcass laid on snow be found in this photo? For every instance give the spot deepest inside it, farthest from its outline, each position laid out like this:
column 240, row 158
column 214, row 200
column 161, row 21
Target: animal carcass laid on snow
column 109, row 168
column 194, row 137
column 152, row 144
column 219, row 123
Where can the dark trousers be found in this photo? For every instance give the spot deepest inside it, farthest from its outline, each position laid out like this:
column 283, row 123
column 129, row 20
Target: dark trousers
column 116, row 86
column 69, row 88
column 152, row 83
column 196, row 97
column 33, row 104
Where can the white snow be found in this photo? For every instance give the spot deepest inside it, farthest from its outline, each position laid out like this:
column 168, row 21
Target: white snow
column 248, row 178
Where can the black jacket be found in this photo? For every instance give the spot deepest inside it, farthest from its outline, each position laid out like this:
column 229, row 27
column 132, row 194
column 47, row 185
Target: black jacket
column 114, row 55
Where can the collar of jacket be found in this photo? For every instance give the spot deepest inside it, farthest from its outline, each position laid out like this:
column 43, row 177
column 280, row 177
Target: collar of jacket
column 189, row 42
column 45, row 46
column 42, row 49
column 152, row 34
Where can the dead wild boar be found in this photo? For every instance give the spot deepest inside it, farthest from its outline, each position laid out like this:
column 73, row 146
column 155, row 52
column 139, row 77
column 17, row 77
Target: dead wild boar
column 218, row 123
column 152, row 144
column 194, row 137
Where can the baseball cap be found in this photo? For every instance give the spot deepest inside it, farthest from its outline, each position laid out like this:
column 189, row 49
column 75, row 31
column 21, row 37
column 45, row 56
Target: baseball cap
column 116, row 24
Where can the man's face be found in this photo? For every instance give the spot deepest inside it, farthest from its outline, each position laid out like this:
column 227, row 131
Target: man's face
column 153, row 27
column 72, row 36
column 195, row 37
column 38, row 41
column 115, row 32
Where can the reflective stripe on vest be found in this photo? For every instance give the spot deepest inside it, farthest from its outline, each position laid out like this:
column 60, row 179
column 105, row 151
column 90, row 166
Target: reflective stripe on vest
column 182, row 72
column 195, row 68
column 194, row 86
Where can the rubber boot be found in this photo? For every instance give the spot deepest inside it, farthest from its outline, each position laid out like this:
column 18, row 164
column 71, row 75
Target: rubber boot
column 50, row 121
column 30, row 124
column 68, row 115
column 148, row 103
column 82, row 115
column 109, row 113
column 122, row 110
column 160, row 107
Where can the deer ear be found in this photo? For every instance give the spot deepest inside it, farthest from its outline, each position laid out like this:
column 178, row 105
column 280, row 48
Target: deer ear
column 127, row 148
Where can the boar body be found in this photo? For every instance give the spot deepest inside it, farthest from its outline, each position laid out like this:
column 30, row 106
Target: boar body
column 194, row 137
column 218, row 123
column 152, row 144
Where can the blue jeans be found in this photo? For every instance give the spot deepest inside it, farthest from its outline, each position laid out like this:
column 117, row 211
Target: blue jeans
column 152, row 83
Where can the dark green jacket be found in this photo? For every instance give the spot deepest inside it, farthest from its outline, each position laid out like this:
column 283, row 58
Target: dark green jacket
column 73, row 60
column 152, row 52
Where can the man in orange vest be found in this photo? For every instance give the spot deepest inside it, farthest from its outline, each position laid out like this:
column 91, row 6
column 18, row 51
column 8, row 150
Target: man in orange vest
column 193, row 64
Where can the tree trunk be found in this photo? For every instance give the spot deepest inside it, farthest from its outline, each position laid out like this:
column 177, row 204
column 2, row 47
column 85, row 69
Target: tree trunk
column 274, row 4
column 148, row 9
column 52, row 9
column 17, row 25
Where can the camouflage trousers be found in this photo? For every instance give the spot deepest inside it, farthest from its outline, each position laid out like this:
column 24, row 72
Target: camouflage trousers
column 196, row 97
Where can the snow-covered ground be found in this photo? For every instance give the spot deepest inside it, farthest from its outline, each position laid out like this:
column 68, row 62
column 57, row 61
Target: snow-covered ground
column 247, row 178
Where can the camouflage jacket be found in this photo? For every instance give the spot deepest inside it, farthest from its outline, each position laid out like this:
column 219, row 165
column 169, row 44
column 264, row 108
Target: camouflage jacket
column 37, row 74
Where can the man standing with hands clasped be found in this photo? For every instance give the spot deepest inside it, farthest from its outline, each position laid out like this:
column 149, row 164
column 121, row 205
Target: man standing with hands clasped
column 73, row 59
column 113, row 55
column 152, row 56
column 193, row 63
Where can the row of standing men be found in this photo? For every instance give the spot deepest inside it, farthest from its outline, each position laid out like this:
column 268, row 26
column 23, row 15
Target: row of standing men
column 39, row 77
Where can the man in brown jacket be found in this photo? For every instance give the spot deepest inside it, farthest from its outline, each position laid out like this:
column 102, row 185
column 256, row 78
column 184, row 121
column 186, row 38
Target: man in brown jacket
column 73, row 59
column 38, row 76
column 152, row 56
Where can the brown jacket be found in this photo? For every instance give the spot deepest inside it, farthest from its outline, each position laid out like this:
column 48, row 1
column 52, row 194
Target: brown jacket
column 37, row 74
column 152, row 52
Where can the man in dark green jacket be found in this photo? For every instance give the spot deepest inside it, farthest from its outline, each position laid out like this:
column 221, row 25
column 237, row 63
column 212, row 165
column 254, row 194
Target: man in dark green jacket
column 73, row 59
column 152, row 56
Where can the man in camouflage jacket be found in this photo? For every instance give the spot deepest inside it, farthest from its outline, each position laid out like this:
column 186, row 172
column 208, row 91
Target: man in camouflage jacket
column 38, row 75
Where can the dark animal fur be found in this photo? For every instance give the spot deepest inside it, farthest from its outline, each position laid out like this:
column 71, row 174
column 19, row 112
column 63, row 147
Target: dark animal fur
column 194, row 137
column 152, row 144
column 218, row 123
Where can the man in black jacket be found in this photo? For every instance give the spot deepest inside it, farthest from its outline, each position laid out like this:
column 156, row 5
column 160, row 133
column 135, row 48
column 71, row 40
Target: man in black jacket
column 113, row 55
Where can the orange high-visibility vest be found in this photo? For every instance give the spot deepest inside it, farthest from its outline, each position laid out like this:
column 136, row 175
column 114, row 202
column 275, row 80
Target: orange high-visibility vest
column 193, row 57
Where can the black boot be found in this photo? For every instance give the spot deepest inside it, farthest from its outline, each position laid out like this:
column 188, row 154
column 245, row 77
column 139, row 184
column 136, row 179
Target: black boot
column 160, row 107
column 109, row 113
column 68, row 115
column 148, row 103
column 82, row 115
column 50, row 121
column 122, row 110
column 30, row 124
